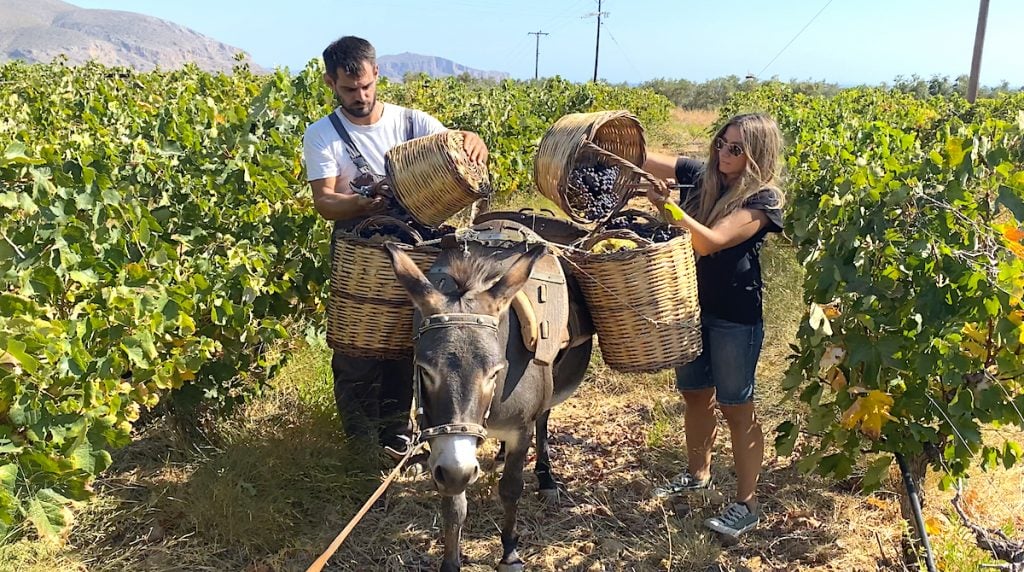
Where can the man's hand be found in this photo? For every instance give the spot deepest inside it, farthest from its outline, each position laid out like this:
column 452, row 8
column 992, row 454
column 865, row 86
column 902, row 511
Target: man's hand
column 373, row 205
column 382, row 188
column 476, row 149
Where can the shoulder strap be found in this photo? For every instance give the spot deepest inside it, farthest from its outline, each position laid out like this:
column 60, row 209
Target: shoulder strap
column 410, row 127
column 350, row 146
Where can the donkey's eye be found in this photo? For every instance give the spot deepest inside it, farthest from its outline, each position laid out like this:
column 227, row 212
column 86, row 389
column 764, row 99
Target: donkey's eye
column 494, row 372
column 427, row 377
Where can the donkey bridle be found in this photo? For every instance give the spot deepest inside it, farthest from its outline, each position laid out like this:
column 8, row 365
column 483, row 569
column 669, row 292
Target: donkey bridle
column 433, row 322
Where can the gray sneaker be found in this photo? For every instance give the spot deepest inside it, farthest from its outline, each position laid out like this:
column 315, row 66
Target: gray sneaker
column 734, row 520
column 681, row 484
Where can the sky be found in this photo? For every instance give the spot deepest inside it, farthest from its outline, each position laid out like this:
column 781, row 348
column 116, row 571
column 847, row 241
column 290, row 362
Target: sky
column 840, row 41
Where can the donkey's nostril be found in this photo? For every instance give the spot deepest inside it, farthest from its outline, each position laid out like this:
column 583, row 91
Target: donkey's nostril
column 439, row 475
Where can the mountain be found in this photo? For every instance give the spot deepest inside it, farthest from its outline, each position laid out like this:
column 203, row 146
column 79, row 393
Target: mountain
column 394, row 67
column 40, row 30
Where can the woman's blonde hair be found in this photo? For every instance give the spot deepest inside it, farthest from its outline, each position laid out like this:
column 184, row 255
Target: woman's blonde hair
column 762, row 143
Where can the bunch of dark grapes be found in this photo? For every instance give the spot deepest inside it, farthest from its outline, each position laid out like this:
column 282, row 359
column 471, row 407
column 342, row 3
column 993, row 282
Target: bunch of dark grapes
column 591, row 190
column 429, row 233
column 392, row 232
column 653, row 231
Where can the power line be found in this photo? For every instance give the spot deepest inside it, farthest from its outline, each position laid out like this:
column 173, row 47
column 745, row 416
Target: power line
column 536, row 57
column 557, row 25
column 624, row 54
column 794, row 38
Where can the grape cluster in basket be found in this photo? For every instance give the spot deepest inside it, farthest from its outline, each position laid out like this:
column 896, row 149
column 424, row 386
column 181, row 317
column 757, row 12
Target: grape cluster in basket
column 652, row 231
column 592, row 190
column 388, row 232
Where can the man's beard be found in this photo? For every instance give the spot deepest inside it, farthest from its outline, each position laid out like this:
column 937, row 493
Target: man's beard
column 360, row 112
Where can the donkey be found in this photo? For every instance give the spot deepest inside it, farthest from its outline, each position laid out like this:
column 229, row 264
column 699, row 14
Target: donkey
column 473, row 369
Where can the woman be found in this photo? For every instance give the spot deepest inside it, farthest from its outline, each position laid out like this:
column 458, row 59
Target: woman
column 729, row 206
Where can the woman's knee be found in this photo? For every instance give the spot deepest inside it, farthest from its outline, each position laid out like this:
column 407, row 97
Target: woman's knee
column 700, row 398
column 742, row 415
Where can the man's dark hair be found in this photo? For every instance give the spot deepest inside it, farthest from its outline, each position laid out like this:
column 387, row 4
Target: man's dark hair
column 348, row 53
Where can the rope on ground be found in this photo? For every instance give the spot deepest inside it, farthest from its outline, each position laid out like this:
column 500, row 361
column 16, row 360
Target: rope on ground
column 319, row 564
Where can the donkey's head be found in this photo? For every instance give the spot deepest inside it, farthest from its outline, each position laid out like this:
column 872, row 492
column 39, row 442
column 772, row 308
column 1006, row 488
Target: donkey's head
column 459, row 355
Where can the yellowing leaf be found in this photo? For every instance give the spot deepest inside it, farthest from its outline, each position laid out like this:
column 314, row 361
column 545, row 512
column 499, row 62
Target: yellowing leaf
column 932, row 525
column 972, row 332
column 837, row 379
column 974, row 349
column 871, row 412
column 818, row 320
column 1016, row 248
column 1013, row 234
column 877, row 503
column 613, row 245
column 832, row 357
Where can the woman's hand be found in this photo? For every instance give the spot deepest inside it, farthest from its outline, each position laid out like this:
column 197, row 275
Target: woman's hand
column 658, row 194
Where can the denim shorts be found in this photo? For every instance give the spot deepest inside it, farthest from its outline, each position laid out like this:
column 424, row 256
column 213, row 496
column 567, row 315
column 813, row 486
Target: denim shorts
column 728, row 362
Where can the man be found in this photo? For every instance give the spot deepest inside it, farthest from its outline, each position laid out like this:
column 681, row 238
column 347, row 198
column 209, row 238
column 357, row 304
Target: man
column 343, row 152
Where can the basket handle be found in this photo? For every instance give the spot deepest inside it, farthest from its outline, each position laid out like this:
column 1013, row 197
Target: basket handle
column 531, row 210
column 618, row 161
column 385, row 219
column 650, row 218
column 618, row 233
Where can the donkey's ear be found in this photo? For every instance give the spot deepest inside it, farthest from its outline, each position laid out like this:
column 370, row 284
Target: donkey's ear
column 422, row 293
column 506, row 287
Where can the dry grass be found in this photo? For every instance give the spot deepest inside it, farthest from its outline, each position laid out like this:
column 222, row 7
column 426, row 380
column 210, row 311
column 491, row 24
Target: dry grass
column 686, row 133
column 282, row 483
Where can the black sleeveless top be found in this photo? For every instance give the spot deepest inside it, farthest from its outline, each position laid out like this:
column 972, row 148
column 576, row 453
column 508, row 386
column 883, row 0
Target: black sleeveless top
column 729, row 281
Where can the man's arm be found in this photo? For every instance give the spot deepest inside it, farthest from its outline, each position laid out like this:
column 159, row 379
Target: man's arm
column 335, row 205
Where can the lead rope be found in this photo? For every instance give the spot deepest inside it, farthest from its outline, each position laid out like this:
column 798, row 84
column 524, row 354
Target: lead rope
column 340, row 539
column 415, row 413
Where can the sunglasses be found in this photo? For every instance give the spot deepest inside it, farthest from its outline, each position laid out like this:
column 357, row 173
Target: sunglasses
column 734, row 149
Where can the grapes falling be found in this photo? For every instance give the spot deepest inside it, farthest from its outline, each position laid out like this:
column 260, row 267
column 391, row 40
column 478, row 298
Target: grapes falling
column 591, row 190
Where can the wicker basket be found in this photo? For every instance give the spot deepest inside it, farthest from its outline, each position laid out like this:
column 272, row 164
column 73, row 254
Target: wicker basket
column 581, row 139
column 643, row 301
column 369, row 314
column 432, row 178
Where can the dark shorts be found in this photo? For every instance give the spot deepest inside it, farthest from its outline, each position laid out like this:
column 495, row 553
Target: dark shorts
column 728, row 362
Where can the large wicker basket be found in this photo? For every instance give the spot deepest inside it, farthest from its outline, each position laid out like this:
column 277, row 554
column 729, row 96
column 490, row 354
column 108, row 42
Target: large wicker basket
column 369, row 314
column 610, row 138
column 433, row 179
column 643, row 301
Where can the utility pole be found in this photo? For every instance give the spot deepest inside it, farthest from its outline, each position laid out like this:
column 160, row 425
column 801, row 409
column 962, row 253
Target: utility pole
column 597, row 46
column 536, row 57
column 979, row 42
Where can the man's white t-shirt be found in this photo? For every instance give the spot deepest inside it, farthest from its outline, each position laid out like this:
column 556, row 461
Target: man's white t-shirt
column 326, row 156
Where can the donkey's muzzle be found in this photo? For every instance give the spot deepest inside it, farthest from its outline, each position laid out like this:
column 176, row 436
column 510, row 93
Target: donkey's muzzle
column 453, row 463
column 455, row 480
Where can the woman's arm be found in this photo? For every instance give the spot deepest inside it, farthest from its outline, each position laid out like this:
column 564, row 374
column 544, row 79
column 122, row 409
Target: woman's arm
column 726, row 233
column 661, row 165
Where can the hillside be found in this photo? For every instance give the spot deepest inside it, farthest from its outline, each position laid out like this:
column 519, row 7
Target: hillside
column 394, row 67
column 40, row 30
